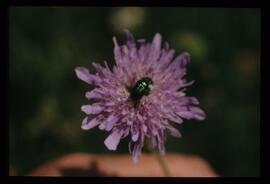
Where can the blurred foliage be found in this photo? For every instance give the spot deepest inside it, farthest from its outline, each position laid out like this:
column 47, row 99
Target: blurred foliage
column 46, row 44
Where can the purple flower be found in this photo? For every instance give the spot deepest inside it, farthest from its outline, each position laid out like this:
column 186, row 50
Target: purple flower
column 158, row 104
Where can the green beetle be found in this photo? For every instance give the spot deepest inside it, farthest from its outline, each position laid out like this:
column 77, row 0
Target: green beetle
column 141, row 88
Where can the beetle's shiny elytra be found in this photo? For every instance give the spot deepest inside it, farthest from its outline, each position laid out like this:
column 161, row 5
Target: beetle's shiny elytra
column 141, row 88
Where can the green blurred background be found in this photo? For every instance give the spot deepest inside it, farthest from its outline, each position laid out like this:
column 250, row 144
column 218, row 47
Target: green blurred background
column 46, row 44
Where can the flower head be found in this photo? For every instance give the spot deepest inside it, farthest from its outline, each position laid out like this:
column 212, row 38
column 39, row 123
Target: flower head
column 142, row 96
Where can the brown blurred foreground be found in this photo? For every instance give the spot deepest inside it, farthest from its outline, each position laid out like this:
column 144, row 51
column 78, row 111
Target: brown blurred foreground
column 81, row 164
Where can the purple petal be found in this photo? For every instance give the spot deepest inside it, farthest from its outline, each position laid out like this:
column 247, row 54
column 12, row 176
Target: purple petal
column 92, row 109
column 161, row 140
column 136, row 152
column 140, row 118
column 137, row 147
column 156, row 42
column 113, row 139
column 166, row 46
column 161, row 148
column 198, row 113
column 108, row 123
column 134, row 134
column 192, row 113
column 185, row 114
column 126, row 132
column 104, row 72
column 130, row 146
column 193, row 100
column 141, row 41
column 117, row 52
column 130, row 38
column 174, row 132
column 89, row 123
column 183, row 59
column 187, row 84
column 166, row 58
column 175, row 119
column 93, row 94
column 83, row 74
column 155, row 50
column 144, row 128
column 184, row 101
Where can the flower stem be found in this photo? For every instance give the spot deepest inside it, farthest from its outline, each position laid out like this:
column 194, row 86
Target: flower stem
column 162, row 163
column 159, row 158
